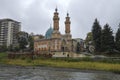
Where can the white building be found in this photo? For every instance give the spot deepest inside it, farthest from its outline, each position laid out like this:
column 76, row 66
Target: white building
column 8, row 30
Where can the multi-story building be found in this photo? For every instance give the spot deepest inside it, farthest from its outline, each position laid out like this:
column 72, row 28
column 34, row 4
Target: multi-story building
column 8, row 30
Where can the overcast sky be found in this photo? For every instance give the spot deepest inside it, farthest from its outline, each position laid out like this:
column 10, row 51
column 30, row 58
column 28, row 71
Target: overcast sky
column 37, row 15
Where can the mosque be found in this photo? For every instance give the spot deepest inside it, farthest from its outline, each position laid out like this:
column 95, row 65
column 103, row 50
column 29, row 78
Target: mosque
column 54, row 42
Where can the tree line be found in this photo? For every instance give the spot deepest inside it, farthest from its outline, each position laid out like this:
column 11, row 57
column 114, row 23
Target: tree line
column 103, row 38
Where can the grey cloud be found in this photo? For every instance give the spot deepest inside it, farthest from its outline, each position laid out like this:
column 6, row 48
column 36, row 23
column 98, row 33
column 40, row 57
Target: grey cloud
column 84, row 12
column 37, row 15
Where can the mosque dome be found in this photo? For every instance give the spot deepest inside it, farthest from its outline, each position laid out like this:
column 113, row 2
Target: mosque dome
column 49, row 32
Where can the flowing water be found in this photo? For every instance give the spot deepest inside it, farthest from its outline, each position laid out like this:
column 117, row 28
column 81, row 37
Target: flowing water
column 47, row 73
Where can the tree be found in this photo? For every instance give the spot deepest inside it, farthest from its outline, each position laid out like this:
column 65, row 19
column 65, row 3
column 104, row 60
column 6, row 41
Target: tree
column 23, row 43
column 117, row 39
column 89, row 38
column 3, row 48
column 31, row 43
column 16, row 48
column 96, row 34
column 107, row 39
column 10, row 48
column 78, row 47
column 22, row 39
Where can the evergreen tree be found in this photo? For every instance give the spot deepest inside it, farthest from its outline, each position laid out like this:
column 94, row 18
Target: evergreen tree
column 117, row 39
column 96, row 34
column 107, row 39
column 78, row 47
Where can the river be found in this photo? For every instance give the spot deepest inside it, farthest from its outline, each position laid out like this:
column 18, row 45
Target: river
column 48, row 73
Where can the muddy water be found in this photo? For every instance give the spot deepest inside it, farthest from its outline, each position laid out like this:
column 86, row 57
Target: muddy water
column 47, row 73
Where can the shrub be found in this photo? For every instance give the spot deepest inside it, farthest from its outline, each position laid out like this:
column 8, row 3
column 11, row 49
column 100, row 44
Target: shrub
column 29, row 60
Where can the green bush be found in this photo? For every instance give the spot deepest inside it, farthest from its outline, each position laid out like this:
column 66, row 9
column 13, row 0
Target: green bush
column 22, row 57
column 28, row 60
column 3, row 55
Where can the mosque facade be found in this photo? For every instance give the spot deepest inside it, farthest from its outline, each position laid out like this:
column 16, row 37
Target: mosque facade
column 55, row 42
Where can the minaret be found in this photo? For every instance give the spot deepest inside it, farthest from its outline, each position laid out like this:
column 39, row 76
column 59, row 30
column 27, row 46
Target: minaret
column 56, row 21
column 67, row 27
column 67, row 24
column 56, row 33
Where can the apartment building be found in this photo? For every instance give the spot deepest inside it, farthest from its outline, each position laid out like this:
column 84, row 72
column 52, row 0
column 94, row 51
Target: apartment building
column 8, row 30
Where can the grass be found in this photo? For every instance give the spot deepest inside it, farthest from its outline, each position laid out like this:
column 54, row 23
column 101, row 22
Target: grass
column 85, row 63
column 64, row 64
column 3, row 57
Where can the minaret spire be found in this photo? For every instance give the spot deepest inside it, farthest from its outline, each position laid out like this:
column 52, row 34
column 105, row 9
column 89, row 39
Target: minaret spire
column 56, row 33
column 67, row 14
column 67, row 24
column 56, row 9
column 67, row 27
column 56, row 20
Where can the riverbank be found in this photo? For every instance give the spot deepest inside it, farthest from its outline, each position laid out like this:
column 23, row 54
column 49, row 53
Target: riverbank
column 51, row 68
column 82, row 64
column 13, row 72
